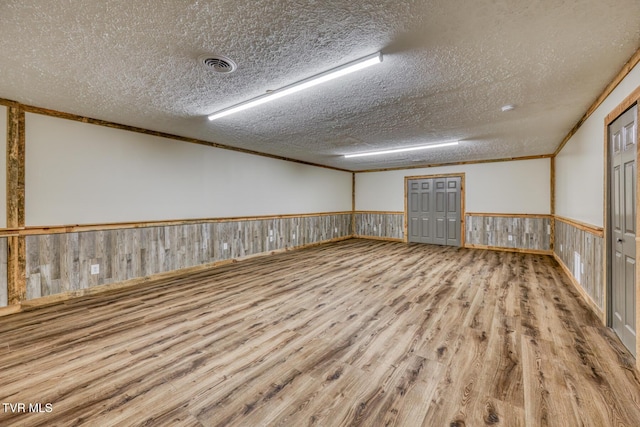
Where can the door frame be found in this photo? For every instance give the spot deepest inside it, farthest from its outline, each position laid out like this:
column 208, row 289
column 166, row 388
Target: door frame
column 460, row 175
column 628, row 102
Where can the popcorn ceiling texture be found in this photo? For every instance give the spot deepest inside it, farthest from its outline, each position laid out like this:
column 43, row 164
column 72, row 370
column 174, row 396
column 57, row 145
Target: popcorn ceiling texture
column 448, row 68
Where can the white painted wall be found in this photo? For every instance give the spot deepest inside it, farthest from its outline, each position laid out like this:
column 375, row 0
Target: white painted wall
column 500, row 187
column 80, row 173
column 3, row 166
column 580, row 164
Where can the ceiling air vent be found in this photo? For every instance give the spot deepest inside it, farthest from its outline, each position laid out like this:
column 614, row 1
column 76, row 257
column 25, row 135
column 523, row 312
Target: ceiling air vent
column 217, row 63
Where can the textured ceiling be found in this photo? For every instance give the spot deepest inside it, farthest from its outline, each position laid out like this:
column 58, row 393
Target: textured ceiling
column 448, row 68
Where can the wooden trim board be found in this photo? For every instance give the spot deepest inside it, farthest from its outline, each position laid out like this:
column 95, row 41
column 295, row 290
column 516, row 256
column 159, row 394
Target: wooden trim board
column 606, row 271
column 470, row 162
column 626, row 69
column 10, row 309
column 9, row 103
column 15, row 202
column 593, row 229
column 16, row 269
column 68, row 116
column 380, row 212
column 605, row 215
column 15, row 167
column 626, row 103
column 385, row 239
column 57, row 229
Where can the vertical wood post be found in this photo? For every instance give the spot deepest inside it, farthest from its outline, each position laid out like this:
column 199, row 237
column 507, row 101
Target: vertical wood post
column 16, row 247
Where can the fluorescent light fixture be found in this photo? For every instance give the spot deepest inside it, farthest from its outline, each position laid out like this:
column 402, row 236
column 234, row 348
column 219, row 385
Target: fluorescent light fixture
column 343, row 70
column 401, row 150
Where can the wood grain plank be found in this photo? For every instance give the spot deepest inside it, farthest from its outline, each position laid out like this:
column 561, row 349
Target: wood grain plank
column 357, row 332
column 15, row 167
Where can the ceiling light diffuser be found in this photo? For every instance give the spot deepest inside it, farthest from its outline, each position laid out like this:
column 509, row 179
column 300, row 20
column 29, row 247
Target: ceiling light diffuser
column 334, row 73
column 401, row 150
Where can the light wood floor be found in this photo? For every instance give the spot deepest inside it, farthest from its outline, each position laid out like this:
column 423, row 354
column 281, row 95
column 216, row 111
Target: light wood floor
column 354, row 333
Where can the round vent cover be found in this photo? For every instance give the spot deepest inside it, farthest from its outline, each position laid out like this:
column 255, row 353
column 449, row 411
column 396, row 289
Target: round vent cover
column 218, row 63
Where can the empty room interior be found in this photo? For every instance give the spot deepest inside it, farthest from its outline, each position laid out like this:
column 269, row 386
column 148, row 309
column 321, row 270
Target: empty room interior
column 291, row 213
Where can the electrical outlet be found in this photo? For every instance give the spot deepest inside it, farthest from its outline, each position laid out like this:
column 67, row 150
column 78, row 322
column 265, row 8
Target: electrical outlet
column 560, row 247
column 271, row 238
column 270, row 232
column 335, row 229
column 582, row 268
column 294, row 236
column 95, row 268
column 225, row 246
column 510, row 237
column 548, row 229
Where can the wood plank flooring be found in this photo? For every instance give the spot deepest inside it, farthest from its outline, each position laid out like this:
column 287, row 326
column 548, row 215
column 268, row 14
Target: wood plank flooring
column 353, row 333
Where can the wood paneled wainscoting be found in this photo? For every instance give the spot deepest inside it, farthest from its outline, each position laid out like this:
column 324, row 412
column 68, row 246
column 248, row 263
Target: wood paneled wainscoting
column 529, row 232
column 380, row 225
column 579, row 248
column 60, row 262
column 515, row 232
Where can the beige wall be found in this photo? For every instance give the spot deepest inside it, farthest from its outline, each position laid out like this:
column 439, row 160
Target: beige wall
column 78, row 173
column 580, row 164
column 500, row 187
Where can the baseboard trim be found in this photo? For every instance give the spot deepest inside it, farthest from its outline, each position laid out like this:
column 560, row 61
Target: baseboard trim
column 503, row 249
column 10, row 309
column 146, row 280
column 384, row 239
column 585, row 296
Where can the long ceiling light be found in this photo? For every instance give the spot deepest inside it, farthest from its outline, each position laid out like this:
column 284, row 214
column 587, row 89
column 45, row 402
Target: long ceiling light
column 343, row 70
column 401, row 150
